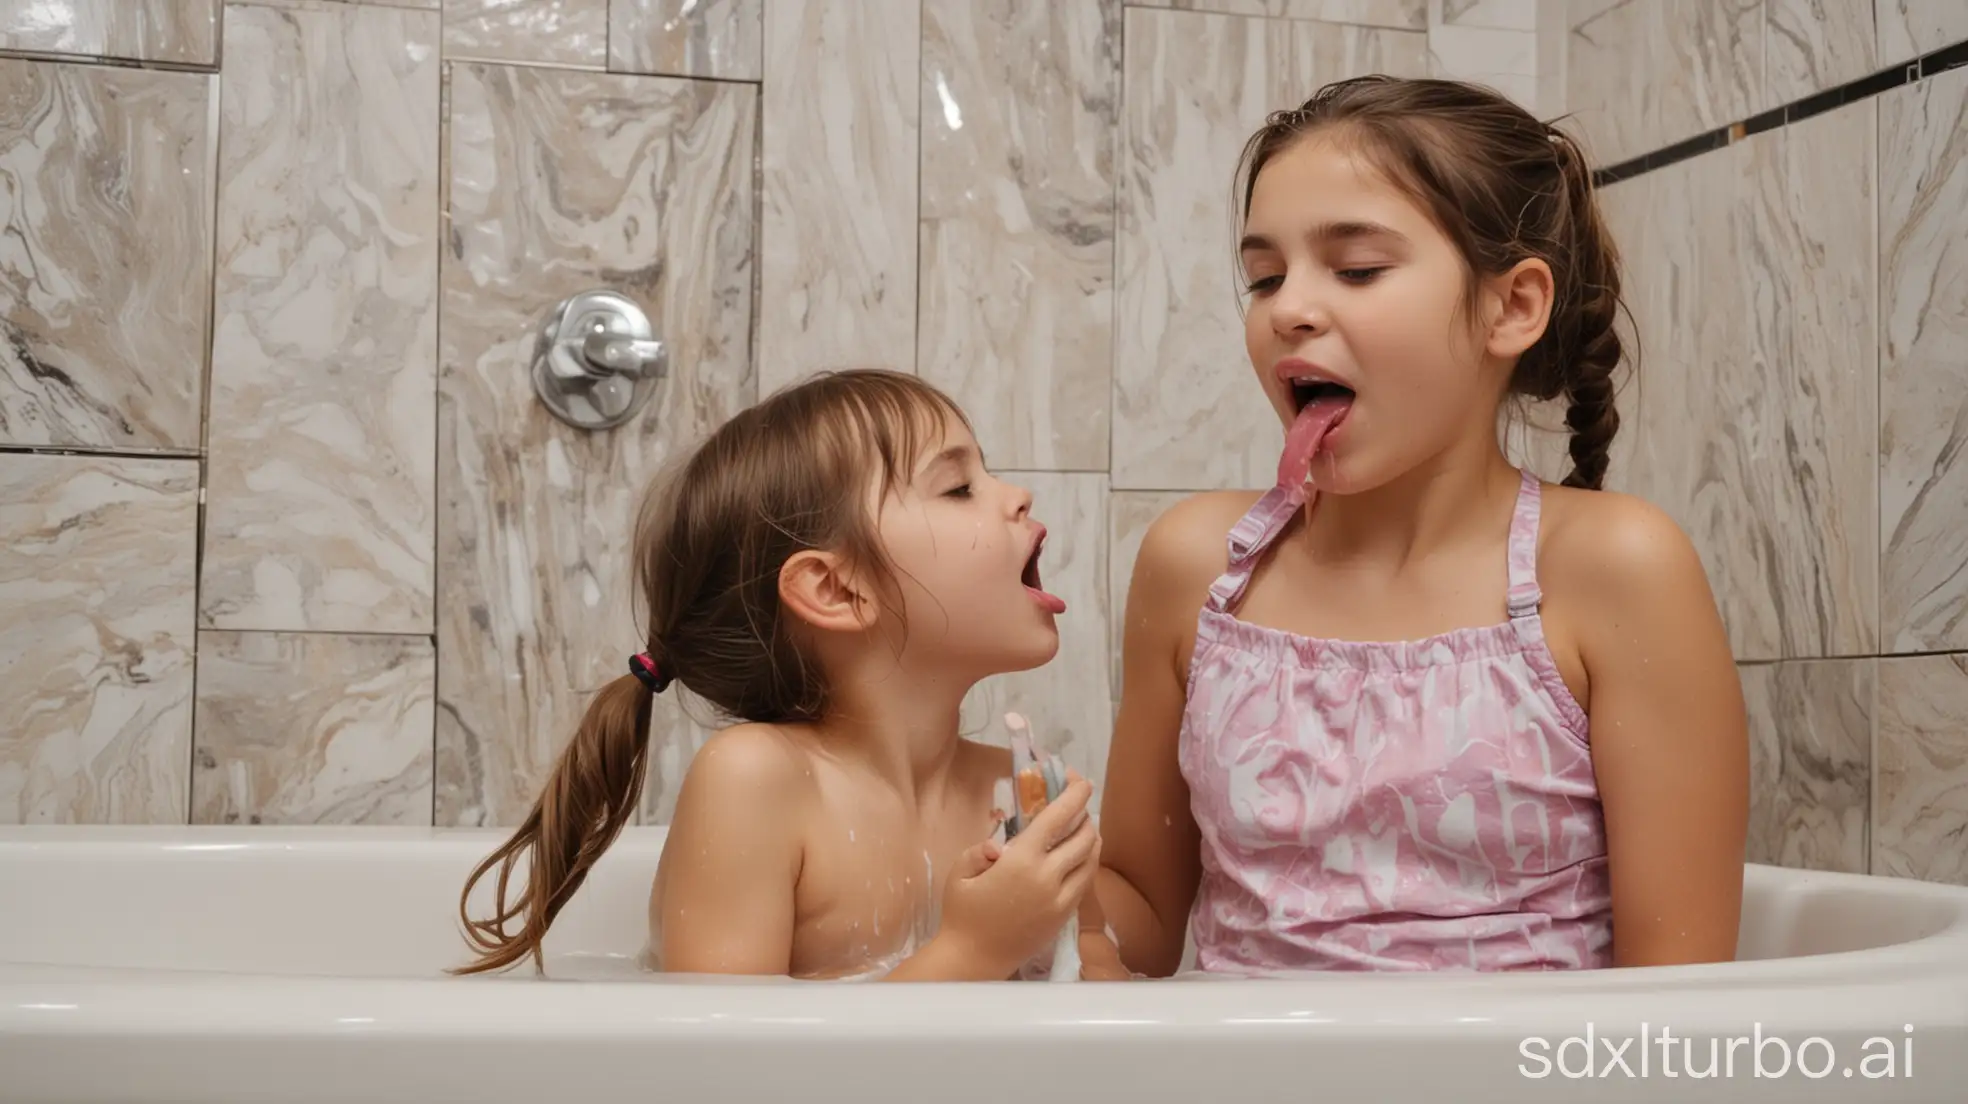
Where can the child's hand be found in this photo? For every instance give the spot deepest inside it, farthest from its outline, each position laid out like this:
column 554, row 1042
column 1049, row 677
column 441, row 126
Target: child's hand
column 1005, row 904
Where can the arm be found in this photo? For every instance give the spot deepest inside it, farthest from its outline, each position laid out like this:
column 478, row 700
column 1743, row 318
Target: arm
column 731, row 860
column 1670, row 744
column 1150, row 848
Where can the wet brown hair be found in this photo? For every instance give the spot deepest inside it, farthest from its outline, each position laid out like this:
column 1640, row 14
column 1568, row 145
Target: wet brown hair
column 791, row 473
column 1504, row 187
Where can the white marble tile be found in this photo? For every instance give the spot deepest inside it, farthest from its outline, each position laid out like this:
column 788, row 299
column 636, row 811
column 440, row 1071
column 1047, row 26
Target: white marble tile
column 96, row 638
column 1920, row 812
column 1553, row 40
column 1502, row 59
column 1509, row 15
column 1923, row 315
column 1067, row 700
column 1810, row 732
column 1758, row 428
column 1408, row 15
column 413, row 5
column 1187, row 413
column 171, row 32
column 105, row 274
column 1579, row 12
column 1016, row 305
column 724, row 39
column 541, row 32
column 562, row 181
column 840, row 159
column 1129, row 514
column 313, row 728
column 320, row 481
column 1809, row 259
column 1909, row 28
column 1662, row 286
column 1812, row 45
column 1620, row 64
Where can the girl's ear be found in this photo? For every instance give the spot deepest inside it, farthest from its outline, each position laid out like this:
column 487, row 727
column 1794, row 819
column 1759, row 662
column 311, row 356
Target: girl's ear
column 1520, row 307
column 822, row 590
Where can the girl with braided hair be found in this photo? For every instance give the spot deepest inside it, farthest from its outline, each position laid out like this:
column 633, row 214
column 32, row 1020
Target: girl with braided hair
column 1413, row 708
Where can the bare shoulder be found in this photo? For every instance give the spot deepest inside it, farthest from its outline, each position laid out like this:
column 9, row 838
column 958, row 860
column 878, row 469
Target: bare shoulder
column 1189, row 542
column 1630, row 578
column 758, row 762
column 1615, row 547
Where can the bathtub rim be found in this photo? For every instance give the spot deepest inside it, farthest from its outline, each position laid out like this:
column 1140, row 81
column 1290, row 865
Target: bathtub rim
column 1909, row 962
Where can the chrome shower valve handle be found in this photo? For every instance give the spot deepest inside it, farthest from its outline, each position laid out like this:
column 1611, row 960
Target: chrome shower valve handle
column 597, row 360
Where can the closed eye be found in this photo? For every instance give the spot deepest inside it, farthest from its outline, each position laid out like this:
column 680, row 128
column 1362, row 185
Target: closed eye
column 1264, row 284
column 1361, row 275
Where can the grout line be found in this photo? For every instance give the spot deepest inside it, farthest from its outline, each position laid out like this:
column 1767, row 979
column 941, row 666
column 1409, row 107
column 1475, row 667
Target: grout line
column 100, row 61
column 8, row 449
column 214, row 187
column 443, row 243
column 1355, row 24
column 1930, row 64
column 1878, row 386
column 1855, row 657
column 922, row 153
column 1872, row 768
column 1117, row 160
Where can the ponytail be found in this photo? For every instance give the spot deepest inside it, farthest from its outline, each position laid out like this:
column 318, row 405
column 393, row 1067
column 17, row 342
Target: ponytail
column 591, row 795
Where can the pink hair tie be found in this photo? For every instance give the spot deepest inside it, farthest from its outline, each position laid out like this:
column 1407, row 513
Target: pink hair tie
column 646, row 672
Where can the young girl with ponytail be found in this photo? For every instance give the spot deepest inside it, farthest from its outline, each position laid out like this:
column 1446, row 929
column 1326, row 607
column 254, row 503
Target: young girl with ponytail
column 833, row 571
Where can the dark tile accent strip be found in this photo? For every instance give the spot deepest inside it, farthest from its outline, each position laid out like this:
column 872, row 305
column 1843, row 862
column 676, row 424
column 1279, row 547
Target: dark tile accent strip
column 1927, row 65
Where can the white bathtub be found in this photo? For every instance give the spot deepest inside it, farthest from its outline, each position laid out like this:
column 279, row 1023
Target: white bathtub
column 304, row 965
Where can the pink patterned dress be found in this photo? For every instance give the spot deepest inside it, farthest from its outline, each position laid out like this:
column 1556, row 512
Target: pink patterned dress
column 1418, row 805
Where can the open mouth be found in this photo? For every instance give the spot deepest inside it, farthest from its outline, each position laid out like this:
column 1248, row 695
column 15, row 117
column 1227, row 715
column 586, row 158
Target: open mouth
column 1307, row 392
column 1033, row 584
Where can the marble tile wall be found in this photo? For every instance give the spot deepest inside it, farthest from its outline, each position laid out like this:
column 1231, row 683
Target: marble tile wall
column 161, row 32
column 97, row 623
column 113, row 172
column 349, row 570
column 722, row 39
column 561, row 181
column 352, row 746
column 1016, row 307
column 1804, row 339
column 1923, row 365
column 320, row 454
column 1715, row 48
column 840, row 165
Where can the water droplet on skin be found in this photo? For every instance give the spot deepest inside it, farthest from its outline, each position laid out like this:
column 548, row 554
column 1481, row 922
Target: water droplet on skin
column 1166, row 822
column 850, row 835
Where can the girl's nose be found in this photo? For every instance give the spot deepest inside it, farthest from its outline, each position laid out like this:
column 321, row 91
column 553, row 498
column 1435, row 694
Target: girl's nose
column 1021, row 500
column 1297, row 308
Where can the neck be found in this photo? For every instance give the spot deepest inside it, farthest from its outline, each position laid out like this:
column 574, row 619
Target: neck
column 1453, row 495
column 902, row 722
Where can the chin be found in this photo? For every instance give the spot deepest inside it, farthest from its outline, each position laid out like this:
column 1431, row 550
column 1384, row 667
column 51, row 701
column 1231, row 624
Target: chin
column 1042, row 651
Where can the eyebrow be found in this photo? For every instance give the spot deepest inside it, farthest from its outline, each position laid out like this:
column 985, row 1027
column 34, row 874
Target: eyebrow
column 1329, row 231
column 954, row 455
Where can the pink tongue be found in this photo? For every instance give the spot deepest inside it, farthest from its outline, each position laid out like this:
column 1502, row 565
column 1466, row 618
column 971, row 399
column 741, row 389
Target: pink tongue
column 1302, row 441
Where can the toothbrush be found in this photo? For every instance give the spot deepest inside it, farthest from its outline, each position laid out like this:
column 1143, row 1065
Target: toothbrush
column 1037, row 781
